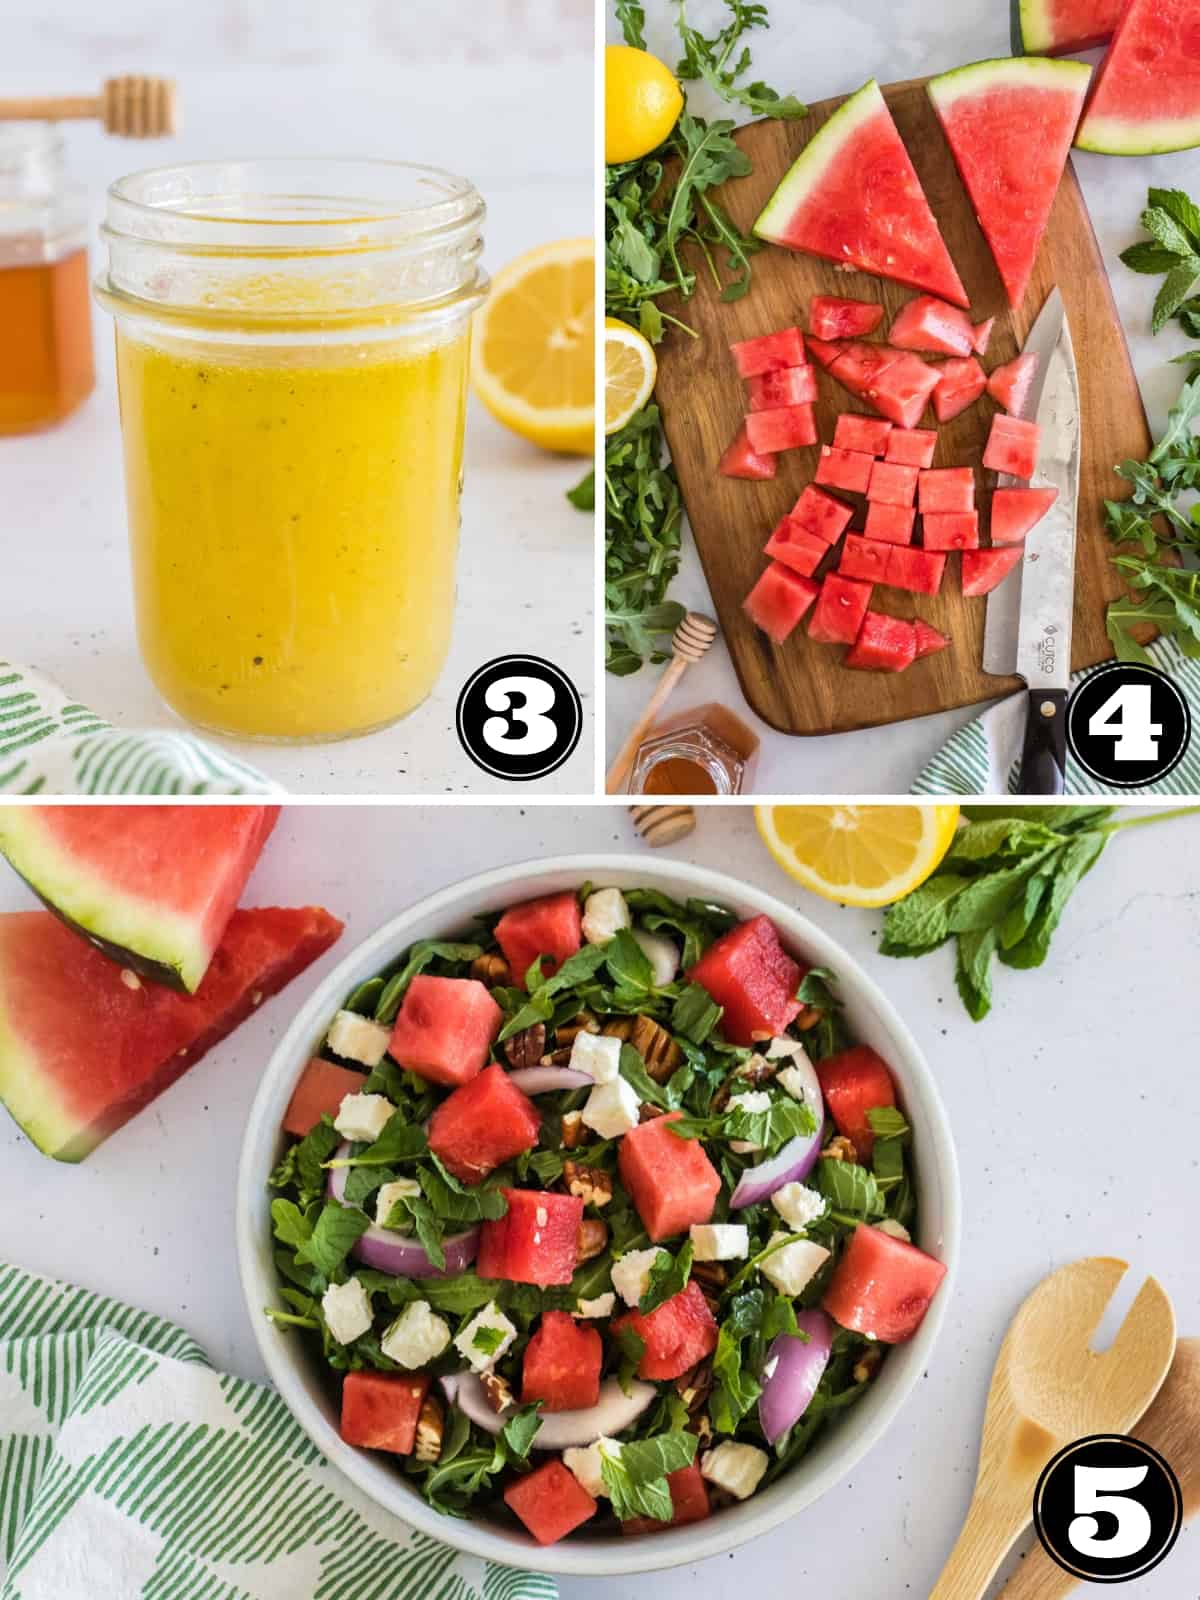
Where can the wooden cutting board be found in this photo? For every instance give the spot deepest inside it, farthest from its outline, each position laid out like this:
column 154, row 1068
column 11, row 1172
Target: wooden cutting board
column 800, row 687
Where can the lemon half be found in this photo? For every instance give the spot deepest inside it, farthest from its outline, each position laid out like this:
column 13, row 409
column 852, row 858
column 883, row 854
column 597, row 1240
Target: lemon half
column 629, row 373
column 862, row 855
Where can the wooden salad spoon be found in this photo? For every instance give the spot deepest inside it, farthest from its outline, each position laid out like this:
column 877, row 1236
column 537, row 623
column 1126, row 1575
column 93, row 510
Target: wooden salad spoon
column 1050, row 1387
column 133, row 106
column 1172, row 1427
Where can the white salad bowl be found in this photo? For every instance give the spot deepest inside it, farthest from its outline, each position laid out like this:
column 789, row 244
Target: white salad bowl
column 299, row 1377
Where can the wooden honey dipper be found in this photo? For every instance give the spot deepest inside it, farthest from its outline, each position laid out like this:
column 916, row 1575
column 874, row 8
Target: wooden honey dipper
column 133, row 106
column 689, row 642
column 661, row 825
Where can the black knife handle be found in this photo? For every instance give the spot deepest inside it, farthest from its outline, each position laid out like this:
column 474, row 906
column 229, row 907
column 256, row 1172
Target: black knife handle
column 1044, row 758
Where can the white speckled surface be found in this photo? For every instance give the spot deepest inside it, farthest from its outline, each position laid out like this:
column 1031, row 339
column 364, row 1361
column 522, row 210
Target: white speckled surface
column 816, row 49
column 1073, row 1106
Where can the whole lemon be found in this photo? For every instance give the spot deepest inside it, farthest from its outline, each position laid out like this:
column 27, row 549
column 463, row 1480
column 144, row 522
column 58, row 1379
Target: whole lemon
column 642, row 102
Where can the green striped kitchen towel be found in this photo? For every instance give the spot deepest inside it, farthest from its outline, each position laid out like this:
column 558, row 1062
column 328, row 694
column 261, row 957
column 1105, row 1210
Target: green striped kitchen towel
column 130, row 1470
column 985, row 756
column 51, row 745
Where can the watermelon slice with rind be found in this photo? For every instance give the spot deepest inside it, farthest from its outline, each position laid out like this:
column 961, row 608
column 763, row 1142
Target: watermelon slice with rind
column 154, row 886
column 1010, row 124
column 1063, row 27
column 853, row 196
column 1146, row 97
column 86, row 1044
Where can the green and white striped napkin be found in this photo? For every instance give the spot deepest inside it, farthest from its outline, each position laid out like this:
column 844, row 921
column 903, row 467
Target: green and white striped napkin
column 130, row 1470
column 51, row 745
column 985, row 756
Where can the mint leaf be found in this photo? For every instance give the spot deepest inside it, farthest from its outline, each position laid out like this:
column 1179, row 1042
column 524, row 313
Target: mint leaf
column 734, row 1389
column 695, row 1014
column 636, row 1476
column 521, row 1429
column 631, row 1348
column 849, row 1188
column 668, row 1276
column 973, row 975
column 337, row 1231
column 400, row 1141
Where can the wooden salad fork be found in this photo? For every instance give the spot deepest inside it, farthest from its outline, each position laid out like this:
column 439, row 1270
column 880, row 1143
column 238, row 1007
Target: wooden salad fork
column 1172, row 1427
column 1048, row 1388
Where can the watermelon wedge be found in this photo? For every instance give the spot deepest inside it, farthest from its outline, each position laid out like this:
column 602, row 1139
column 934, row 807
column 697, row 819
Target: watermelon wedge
column 930, row 324
column 1146, row 98
column 1010, row 125
column 884, row 644
column 985, row 570
column 981, row 336
column 741, row 460
column 929, row 640
column 1009, row 384
column 85, row 1044
column 1016, row 511
column 1064, row 27
column 822, row 352
column 853, row 196
column 153, row 886
column 961, row 383
column 831, row 318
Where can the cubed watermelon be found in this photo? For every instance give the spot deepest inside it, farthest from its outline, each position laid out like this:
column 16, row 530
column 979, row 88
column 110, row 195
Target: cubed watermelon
column 771, row 352
column 913, row 447
column 882, row 1286
column 681, row 1332
column 864, row 559
column 984, row 570
column 561, row 1367
column 445, row 1028
column 749, row 973
column 798, row 549
column 535, row 1241
column 845, row 469
column 947, row 489
column 854, row 1082
column 930, row 324
column 867, row 435
column 689, row 1502
column 961, row 384
column 1009, row 385
column 790, row 386
column 741, row 461
column 482, row 1125
column 893, row 484
column 1012, row 446
column 950, row 530
column 884, row 644
column 321, row 1089
column 891, row 524
column 839, row 611
column 671, row 1180
column 551, row 927
column 902, row 391
column 981, row 336
column 821, row 514
column 823, row 353
column 832, row 318
column 785, row 428
column 929, row 640
column 918, row 571
column 858, row 365
column 1016, row 511
column 779, row 599
column 380, row 1409
column 550, row 1501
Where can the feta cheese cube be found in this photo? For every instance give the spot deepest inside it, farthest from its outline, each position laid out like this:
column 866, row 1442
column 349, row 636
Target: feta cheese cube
column 362, row 1118
column 798, row 1205
column 604, row 914
column 794, row 1265
column 347, row 1309
column 389, row 1193
column 358, row 1038
column 417, row 1337
column 486, row 1338
column 602, row 1306
column 897, row 1230
column 785, row 1046
column 799, row 1085
column 662, row 955
column 584, row 1463
column 597, row 1054
column 612, row 1109
column 753, row 1100
column 736, row 1468
column 719, row 1241
column 631, row 1274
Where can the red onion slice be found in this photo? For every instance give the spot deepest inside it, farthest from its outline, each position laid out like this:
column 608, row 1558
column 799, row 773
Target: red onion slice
column 395, row 1253
column 798, row 1157
column 795, row 1374
column 543, row 1080
column 560, row 1430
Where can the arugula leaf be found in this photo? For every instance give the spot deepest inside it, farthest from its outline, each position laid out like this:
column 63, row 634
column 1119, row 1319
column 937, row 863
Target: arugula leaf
column 631, row 1347
column 422, row 955
column 302, row 1166
column 521, row 1429
column 539, row 1007
column 635, row 1474
column 695, row 1013
column 668, row 1276
column 734, row 1389
column 714, row 61
column 399, row 1141
column 337, row 1230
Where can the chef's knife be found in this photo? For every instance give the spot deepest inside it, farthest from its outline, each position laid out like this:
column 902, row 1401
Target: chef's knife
column 1028, row 628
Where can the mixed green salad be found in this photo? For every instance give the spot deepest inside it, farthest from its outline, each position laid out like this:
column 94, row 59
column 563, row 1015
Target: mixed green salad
column 597, row 1212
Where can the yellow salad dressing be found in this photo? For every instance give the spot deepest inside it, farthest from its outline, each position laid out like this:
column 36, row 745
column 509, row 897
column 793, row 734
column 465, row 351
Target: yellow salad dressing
column 294, row 525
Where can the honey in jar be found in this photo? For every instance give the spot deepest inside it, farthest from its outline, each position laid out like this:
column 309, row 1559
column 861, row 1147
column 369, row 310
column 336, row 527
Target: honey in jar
column 706, row 750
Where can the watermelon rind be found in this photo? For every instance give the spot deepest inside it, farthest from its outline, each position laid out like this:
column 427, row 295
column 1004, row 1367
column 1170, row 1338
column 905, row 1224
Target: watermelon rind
column 31, row 1101
column 1026, row 72
column 1033, row 31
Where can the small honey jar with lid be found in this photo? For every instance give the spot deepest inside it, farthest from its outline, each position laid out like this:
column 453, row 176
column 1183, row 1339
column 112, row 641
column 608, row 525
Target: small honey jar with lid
column 706, row 750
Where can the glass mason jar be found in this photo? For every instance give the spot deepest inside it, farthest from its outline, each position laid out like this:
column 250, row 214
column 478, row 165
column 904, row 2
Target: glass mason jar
column 292, row 357
column 46, row 368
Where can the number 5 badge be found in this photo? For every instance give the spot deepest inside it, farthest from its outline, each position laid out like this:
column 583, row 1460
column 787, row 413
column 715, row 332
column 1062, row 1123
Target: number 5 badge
column 1108, row 1508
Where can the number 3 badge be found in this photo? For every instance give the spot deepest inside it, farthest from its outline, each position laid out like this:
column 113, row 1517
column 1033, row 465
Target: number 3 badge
column 519, row 717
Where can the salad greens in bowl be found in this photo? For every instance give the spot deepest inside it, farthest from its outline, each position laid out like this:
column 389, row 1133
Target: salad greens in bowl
column 596, row 1215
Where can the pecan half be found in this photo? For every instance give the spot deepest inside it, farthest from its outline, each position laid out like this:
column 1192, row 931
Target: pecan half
column 694, row 1388
column 839, row 1149
column 656, row 1048
column 431, row 1425
column 574, row 1133
column 496, row 1391
column 591, row 1239
column 867, row 1365
column 757, row 1071
column 647, row 1112
column 491, row 968
column 525, row 1049
column 589, row 1184
column 710, row 1274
